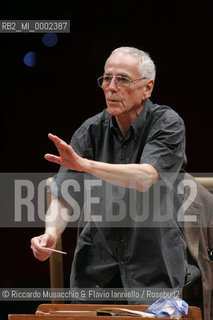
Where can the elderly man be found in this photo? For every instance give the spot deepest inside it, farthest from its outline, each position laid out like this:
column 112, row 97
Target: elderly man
column 132, row 144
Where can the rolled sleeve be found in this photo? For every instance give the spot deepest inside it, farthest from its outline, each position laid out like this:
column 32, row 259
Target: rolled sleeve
column 165, row 147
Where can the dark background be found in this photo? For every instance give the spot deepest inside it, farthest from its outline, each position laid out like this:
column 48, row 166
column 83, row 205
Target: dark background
column 61, row 91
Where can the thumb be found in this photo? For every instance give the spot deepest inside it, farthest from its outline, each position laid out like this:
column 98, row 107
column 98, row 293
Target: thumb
column 44, row 239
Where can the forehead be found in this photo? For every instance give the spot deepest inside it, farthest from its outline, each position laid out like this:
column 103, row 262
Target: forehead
column 123, row 63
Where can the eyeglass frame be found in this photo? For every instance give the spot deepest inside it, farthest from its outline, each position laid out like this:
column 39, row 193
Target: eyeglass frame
column 116, row 82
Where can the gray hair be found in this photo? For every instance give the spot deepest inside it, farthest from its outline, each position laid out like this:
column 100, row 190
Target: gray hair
column 147, row 67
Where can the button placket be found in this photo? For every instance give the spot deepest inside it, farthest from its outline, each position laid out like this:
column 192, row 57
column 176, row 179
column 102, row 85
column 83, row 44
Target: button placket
column 121, row 247
column 123, row 151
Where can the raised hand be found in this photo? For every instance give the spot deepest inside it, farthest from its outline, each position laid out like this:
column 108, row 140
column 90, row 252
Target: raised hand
column 68, row 158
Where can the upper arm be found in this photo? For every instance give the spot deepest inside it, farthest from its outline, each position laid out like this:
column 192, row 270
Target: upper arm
column 165, row 147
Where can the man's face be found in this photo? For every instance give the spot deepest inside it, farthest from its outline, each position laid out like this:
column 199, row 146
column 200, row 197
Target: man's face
column 121, row 100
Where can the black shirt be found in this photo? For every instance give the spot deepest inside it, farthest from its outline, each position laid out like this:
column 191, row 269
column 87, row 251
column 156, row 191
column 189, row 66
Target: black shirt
column 144, row 256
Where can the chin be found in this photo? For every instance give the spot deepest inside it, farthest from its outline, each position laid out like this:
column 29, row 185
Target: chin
column 113, row 110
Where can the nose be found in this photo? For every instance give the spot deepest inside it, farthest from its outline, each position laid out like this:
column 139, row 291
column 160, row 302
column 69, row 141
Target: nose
column 112, row 86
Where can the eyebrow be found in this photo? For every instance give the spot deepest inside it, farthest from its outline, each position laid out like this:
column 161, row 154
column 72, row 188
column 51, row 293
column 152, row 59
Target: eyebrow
column 120, row 74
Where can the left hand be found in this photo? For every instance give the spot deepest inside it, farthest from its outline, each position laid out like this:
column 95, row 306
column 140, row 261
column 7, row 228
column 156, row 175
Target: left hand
column 68, row 158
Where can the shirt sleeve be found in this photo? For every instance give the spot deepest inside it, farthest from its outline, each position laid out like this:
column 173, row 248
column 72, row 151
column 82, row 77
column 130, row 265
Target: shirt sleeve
column 165, row 147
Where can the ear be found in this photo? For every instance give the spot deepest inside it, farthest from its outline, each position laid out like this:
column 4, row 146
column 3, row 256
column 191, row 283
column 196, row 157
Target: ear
column 148, row 88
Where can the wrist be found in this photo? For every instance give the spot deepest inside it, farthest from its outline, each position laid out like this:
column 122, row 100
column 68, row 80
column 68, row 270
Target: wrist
column 85, row 165
column 53, row 233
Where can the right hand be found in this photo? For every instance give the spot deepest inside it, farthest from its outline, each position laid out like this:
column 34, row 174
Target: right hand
column 37, row 244
column 68, row 157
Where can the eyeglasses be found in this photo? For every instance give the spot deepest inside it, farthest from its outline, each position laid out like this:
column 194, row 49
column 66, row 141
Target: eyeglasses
column 120, row 81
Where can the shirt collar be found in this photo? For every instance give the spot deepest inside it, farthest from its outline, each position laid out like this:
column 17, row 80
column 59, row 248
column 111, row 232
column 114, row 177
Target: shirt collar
column 141, row 119
column 114, row 126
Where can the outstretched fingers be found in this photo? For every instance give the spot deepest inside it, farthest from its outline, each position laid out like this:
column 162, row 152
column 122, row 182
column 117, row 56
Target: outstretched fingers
column 67, row 156
column 52, row 158
column 59, row 143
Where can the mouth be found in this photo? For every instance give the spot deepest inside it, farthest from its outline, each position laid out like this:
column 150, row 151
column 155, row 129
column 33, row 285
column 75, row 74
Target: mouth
column 113, row 100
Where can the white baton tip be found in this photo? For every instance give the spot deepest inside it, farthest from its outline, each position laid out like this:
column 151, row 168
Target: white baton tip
column 54, row 250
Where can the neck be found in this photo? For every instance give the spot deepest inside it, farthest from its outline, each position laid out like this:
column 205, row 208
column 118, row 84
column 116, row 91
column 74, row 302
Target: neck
column 125, row 120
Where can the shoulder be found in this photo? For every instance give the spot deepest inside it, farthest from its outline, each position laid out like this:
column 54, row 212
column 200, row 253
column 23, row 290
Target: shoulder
column 165, row 113
column 93, row 123
column 82, row 138
column 164, row 120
